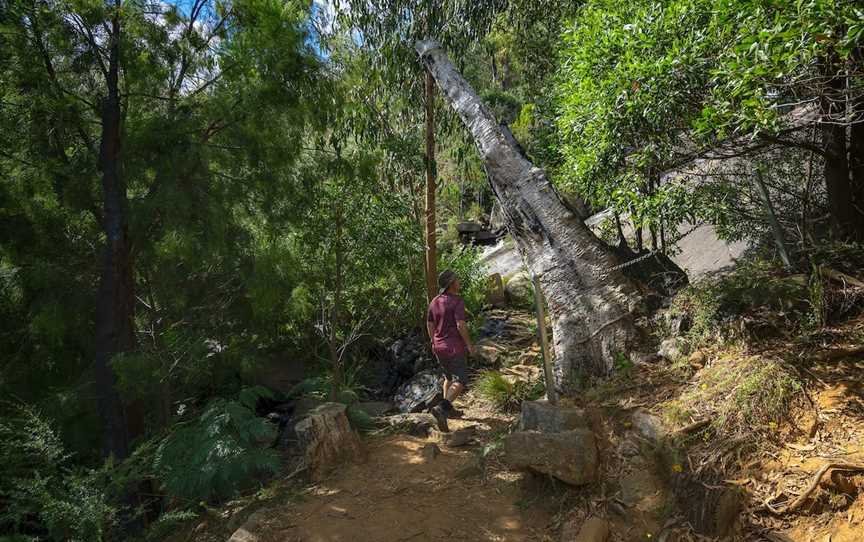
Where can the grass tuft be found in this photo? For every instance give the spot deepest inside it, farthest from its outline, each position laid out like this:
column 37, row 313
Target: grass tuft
column 506, row 395
column 739, row 393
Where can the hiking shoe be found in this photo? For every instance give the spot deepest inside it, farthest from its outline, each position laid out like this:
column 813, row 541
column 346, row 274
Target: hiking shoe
column 441, row 418
column 452, row 412
column 450, row 409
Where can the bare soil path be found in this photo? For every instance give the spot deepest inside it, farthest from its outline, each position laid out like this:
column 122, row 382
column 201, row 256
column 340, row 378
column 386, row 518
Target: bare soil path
column 396, row 496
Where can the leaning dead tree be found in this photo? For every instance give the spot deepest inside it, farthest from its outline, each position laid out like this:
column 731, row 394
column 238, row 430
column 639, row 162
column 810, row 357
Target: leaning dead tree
column 591, row 303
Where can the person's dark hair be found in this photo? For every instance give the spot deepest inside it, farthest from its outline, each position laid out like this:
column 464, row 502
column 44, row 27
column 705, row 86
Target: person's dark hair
column 445, row 279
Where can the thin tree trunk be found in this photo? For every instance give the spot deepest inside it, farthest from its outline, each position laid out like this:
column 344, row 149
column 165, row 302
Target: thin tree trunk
column 662, row 233
column 808, row 189
column 846, row 222
column 776, row 230
column 592, row 305
column 335, row 312
column 622, row 239
column 431, row 248
column 856, row 149
column 115, row 303
column 652, row 228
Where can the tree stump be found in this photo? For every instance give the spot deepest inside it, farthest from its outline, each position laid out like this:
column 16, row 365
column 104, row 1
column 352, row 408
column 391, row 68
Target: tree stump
column 327, row 439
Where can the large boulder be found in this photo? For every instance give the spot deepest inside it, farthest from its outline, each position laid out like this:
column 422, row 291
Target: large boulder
column 327, row 439
column 673, row 348
column 648, row 426
column 469, row 227
column 570, row 456
column 419, row 393
column 546, row 418
column 520, row 291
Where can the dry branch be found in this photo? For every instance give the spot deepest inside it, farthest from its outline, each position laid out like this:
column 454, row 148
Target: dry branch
column 814, row 483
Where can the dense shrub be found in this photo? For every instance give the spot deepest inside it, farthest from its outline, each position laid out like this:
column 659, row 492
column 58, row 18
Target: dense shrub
column 217, row 453
column 41, row 495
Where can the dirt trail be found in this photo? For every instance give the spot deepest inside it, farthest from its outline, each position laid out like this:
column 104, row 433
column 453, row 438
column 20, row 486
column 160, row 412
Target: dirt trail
column 396, row 495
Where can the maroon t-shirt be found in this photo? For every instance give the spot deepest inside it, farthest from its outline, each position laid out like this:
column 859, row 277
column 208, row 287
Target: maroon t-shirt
column 444, row 311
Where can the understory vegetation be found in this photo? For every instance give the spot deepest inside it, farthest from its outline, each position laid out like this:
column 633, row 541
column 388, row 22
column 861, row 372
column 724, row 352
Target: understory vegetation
column 209, row 207
column 507, row 394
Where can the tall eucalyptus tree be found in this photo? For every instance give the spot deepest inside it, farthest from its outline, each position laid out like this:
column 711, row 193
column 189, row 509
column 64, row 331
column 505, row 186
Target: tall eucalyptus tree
column 592, row 304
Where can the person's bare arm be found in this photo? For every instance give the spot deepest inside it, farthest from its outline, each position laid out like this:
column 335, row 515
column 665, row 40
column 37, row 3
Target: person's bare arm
column 463, row 331
column 430, row 327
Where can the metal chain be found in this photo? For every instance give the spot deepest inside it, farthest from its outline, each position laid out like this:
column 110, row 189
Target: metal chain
column 649, row 254
column 634, row 261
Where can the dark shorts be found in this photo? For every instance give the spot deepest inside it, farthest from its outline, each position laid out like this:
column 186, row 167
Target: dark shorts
column 455, row 369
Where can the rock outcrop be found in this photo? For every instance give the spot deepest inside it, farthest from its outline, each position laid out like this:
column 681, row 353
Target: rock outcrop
column 547, row 418
column 570, row 456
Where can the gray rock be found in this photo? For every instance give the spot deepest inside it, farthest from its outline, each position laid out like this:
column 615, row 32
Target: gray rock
column 502, row 258
column 417, row 424
column 429, row 452
column 251, row 528
column 546, row 418
column 648, row 426
column 520, row 291
column 469, row 227
column 642, row 358
column 628, row 448
column 453, row 439
column 418, row 393
column 672, row 349
column 570, row 456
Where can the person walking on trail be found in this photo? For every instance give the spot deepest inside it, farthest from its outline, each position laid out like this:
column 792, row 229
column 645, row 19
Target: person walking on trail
column 445, row 322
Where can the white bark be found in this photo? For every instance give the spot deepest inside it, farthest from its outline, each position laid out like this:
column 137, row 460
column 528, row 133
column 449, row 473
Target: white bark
column 591, row 305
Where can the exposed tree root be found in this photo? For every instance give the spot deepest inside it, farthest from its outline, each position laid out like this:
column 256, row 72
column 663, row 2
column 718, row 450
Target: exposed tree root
column 814, row 483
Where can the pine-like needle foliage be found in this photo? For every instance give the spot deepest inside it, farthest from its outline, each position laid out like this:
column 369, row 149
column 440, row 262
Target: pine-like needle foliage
column 41, row 496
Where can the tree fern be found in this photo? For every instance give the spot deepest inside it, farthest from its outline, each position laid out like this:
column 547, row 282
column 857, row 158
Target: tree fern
column 213, row 456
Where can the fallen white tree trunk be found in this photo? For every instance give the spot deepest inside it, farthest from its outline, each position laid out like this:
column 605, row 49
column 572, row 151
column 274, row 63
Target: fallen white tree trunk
column 591, row 304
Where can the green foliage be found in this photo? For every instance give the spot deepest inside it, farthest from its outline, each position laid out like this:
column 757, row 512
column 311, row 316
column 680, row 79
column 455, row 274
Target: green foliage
column 168, row 523
column 217, row 453
column 756, row 288
column 359, row 419
column 43, row 494
column 506, row 395
column 740, row 394
column 465, row 262
column 622, row 362
column 644, row 87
